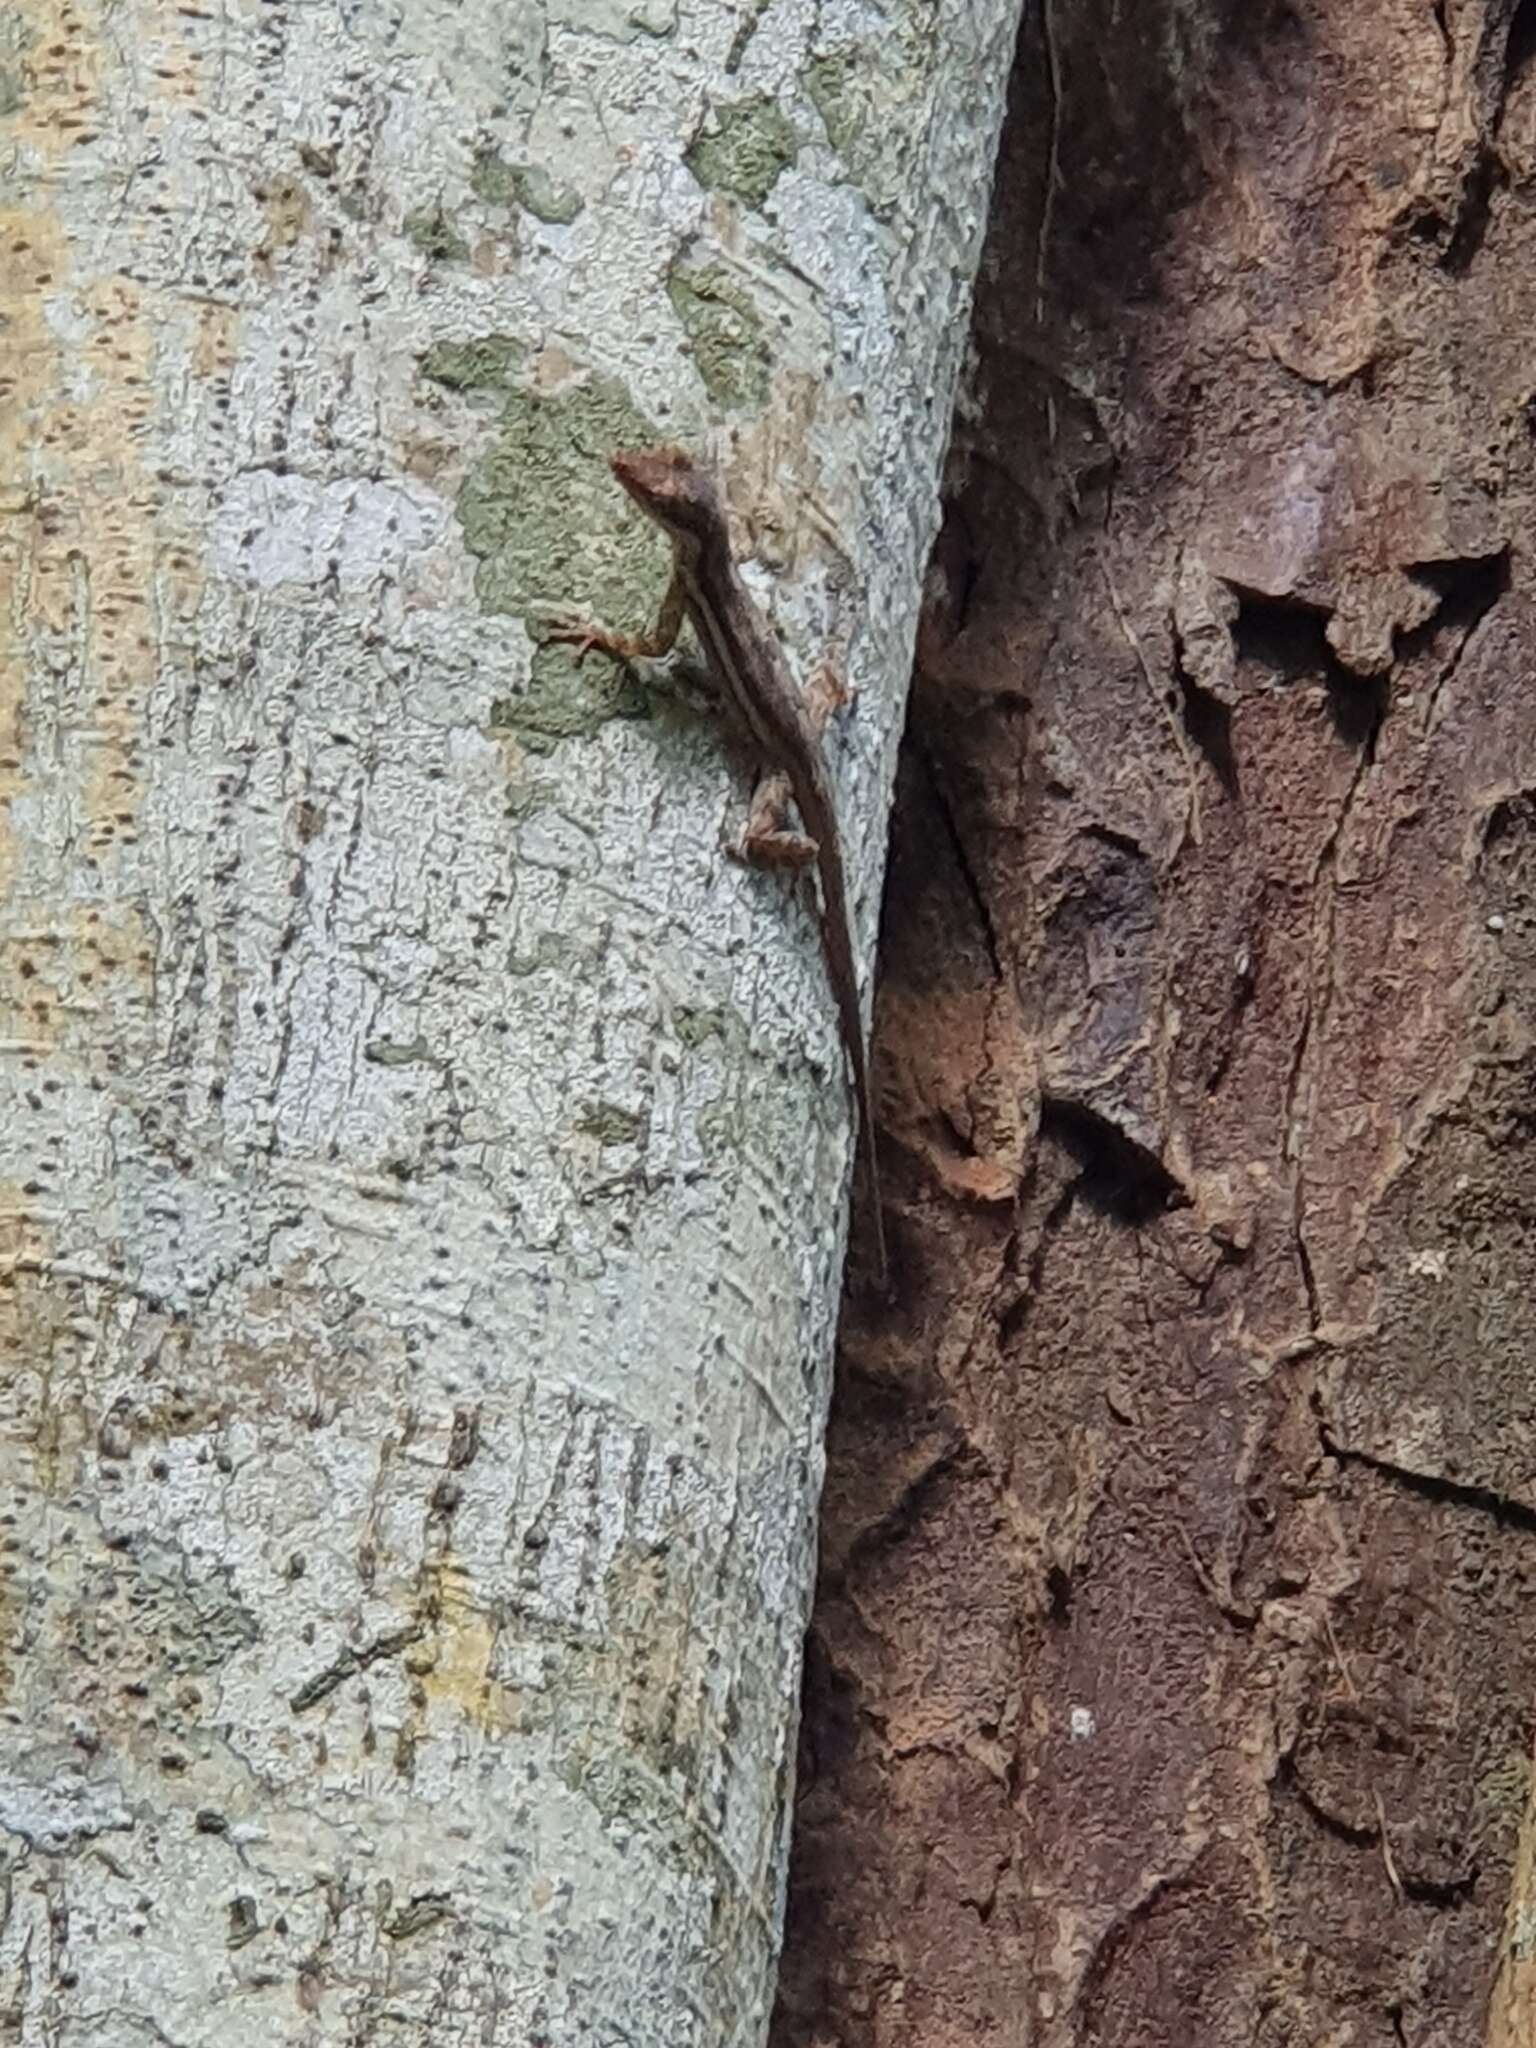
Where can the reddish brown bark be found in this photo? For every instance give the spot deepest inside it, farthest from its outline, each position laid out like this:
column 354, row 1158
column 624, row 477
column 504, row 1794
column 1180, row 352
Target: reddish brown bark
column 1171, row 1682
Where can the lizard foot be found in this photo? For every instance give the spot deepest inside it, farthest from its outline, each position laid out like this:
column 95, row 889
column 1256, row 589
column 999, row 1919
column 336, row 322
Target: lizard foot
column 776, row 850
column 564, row 629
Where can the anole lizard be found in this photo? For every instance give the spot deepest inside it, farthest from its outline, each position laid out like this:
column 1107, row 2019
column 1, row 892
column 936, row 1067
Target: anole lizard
column 706, row 589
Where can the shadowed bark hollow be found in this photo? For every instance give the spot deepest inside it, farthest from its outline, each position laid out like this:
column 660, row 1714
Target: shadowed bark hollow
column 1171, row 1680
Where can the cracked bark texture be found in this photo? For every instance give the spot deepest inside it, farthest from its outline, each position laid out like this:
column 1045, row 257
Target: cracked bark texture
column 424, row 1156
column 1172, row 1674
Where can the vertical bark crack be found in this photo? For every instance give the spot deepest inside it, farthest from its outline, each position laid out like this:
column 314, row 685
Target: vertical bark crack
column 963, row 863
column 1320, row 988
column 1519, row 46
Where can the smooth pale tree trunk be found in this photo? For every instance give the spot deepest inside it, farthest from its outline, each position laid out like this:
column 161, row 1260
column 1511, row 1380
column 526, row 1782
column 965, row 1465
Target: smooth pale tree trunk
column 424, row 1155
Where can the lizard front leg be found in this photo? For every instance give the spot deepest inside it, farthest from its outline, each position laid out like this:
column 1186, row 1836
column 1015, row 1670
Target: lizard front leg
column 584, row 634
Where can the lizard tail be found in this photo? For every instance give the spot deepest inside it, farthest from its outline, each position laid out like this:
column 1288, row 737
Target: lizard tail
column 839, row 932
column 868, row 1145
column 818, row 814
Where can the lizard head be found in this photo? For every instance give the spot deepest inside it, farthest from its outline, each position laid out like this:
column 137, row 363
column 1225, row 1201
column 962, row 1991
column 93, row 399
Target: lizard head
column 671, row 488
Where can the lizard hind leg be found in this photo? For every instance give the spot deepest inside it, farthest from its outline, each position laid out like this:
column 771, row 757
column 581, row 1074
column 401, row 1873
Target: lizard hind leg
column 768, row 840
column 826, row 693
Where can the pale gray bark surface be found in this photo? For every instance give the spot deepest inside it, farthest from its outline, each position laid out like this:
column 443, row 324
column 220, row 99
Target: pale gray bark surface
column 423, row 1152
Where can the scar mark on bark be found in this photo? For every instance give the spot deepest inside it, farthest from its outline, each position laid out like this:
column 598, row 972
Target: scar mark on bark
column 1123, row 1178
column 1283, row 634
column 1319, row 987
column 1014, row 1317
column 1231, row 1609
column 1444, row 27
column 954, row 1463
column 1473, row 213
column 1117, row 842
column 1245, row 981
column 1356, row 1834
column 1468, row 586
column 464, row 1442
column 1191, row 821
column 1471, row 589
column 1287, row 636
column 1128, row 1927
column 351, row 1661
column 1359, row 707
column 1208, row 721
column 963, row 863
column 1506, row 1512
column 426, row 1909
column 1519, row 46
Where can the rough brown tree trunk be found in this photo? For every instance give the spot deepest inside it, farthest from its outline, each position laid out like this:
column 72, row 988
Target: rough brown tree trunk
column 1171, row 1684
